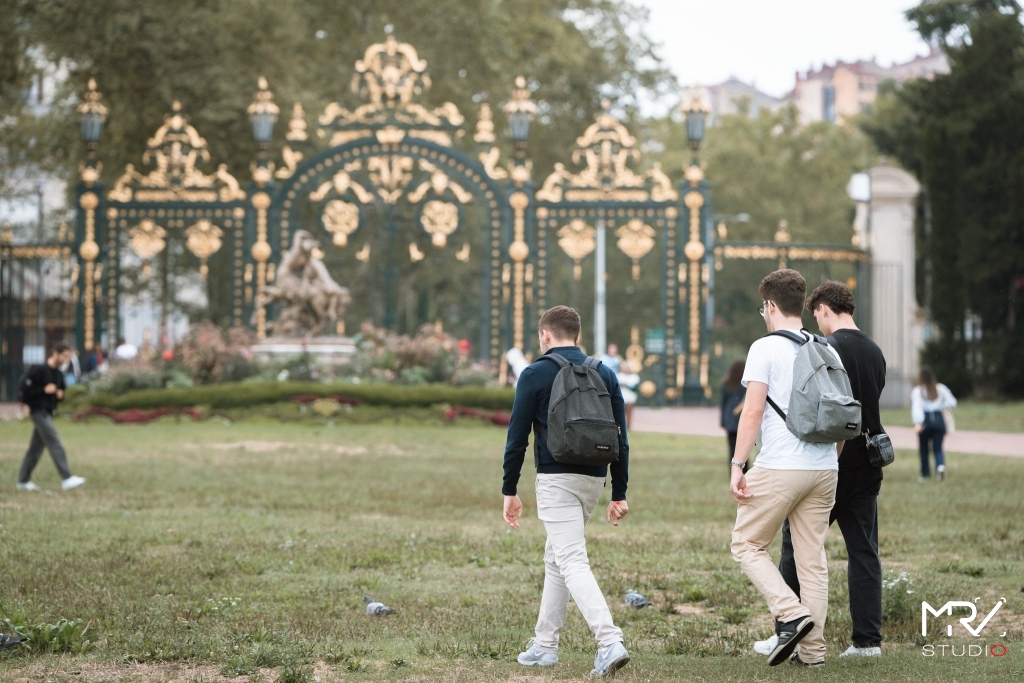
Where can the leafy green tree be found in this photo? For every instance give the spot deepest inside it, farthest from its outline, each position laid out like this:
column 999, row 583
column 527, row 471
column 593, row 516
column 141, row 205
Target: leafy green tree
column 961, row 135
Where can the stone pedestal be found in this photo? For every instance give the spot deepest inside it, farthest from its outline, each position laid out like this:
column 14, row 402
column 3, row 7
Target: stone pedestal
column 328, row 349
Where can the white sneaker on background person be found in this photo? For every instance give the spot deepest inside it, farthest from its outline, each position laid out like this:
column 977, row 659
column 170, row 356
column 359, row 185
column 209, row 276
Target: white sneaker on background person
column 28, row 486
column 765, row 647
column 534, row 656
column 854, row 651
column 72, row 483
column 940, row 473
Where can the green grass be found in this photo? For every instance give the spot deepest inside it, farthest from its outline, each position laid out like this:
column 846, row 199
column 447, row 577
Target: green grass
column 971, row 416
column 201, row 552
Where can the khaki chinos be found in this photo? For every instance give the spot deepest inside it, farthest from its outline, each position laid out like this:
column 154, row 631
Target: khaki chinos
column 806, row 497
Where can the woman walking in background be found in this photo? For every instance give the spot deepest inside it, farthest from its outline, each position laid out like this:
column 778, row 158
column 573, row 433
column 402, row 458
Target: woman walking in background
column 733, row 394
column 927, row 401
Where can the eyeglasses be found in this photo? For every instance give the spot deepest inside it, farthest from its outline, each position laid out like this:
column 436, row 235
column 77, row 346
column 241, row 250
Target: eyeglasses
column 764, row 307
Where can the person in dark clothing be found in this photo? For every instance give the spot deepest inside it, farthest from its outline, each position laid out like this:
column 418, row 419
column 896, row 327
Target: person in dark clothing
column 41, row 389
column 856, row 506
column 566, row 498
column 733, row 393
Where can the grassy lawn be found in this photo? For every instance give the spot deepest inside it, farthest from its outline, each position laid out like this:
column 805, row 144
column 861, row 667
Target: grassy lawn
column 202, row 552
column 972, row 416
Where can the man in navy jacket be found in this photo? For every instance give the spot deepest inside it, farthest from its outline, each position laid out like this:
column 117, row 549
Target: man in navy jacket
column 566, row 498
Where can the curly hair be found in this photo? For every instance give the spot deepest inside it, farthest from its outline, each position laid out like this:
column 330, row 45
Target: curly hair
column 835, row 295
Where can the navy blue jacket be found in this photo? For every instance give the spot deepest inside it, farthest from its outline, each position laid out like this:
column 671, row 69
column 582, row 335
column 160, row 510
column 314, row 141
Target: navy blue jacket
column 530, row 412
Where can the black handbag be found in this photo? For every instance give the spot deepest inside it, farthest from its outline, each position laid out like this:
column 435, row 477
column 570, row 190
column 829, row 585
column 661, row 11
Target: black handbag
column 880, row 451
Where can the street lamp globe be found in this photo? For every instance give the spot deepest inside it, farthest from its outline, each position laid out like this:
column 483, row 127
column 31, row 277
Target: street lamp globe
column 520, row 111
column 91, row 116
column 263, row 114
column 696, row 109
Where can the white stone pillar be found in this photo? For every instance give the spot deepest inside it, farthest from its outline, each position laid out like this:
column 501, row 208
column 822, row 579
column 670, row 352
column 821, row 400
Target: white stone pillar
column 896, row 323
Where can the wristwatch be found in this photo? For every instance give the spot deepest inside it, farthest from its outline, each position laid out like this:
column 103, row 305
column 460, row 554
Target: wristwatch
column 736, row 464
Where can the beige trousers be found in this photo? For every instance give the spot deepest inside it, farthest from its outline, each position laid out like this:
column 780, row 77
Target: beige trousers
column 565, row 503
column 806, row 497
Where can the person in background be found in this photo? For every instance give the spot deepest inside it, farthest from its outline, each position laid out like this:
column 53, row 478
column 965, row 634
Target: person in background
column 125, row 351
column 629, row 380
column 41, row 389
column 733, row 393
column 72, row 370
column 93, row 358
column 927, row 401
column 611, row 358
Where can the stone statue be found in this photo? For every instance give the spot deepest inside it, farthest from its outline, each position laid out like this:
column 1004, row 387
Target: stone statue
column 309, row 297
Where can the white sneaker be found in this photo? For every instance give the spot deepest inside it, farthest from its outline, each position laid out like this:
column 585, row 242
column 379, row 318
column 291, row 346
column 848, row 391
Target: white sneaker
column 28, row 486
column 765, row 647
column 72, row 483
column 534, row 656
column 854, row 651
column 940, row 473
column 609, row 660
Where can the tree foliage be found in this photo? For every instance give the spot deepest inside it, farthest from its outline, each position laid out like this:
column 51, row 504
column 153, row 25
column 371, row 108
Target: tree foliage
column 961, row 134
column 147, row 53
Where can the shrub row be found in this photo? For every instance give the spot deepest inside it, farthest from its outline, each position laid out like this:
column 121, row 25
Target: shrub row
column 243, row 394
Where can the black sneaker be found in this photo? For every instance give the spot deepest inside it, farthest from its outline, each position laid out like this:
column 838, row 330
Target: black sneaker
column 796, row 661
column 790, row 633
column 7, row 641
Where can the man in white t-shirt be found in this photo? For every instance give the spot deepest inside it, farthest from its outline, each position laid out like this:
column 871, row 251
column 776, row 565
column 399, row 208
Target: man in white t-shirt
column 791, row 478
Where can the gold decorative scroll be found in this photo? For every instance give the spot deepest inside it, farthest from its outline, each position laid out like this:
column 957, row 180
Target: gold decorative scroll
column 295, row 136
column 174, row 154
column 415, row 255
column 439, row 182
column 694, row 251
column 636, row 239
column 341, row 219
column 204, row 240
column 485, row 126
column 439, row 219
column 577, row 240
column 761, row 252
column 606, row 149
column 391, row 78
column 390, row 175
column 147, row 240
column 341, row 183
column 518, row 251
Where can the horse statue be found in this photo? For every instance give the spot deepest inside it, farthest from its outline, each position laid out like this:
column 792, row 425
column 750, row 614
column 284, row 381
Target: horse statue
column 309, row 297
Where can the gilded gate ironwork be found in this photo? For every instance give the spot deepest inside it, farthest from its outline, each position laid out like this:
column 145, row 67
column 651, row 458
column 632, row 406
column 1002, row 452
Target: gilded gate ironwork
column 392, row 193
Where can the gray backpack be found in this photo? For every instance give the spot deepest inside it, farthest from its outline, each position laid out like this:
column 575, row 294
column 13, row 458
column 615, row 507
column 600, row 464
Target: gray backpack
column 581, row 427
column 822, row 408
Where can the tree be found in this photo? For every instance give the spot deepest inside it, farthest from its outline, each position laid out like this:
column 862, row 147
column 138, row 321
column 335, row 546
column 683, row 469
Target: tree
column 960, row 134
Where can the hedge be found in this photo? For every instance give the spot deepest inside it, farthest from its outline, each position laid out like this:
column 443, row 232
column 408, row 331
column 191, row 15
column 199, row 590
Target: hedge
column 244, row 394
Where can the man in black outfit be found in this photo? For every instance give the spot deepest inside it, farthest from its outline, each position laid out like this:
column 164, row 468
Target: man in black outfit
column 41, row 389
column 855, row 508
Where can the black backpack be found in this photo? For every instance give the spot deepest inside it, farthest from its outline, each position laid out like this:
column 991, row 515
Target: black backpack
column 23, row 384
column 581, row 426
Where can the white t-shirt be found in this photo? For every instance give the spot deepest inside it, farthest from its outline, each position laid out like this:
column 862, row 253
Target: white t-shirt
column 770, row 361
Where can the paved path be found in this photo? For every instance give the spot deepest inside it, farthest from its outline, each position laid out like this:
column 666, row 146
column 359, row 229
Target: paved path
column 704, row 422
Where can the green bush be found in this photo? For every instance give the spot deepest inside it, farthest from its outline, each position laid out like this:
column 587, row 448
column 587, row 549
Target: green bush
column 244, row 394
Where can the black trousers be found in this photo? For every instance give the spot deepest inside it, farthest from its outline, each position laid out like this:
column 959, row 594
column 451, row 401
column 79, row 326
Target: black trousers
column 857, row 515
column 43, row 436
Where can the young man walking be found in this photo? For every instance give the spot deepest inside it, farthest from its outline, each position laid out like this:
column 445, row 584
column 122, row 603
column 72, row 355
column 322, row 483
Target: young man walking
column 566, row 498
column 791, row 478
column 41, row 389
column 856, row 506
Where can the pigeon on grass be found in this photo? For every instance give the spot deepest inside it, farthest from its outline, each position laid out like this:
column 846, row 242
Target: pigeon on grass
column 635, row 600
column 376, row 609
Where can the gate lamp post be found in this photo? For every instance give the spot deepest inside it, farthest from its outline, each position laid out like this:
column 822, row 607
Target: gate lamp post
column 91, row 116
column 696, row 111
column 520, row 111
column 263, row 115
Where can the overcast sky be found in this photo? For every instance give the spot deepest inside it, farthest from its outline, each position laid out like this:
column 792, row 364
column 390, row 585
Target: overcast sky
column 768, row 41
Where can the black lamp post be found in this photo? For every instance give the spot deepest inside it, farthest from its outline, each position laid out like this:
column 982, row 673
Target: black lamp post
column 91, row 116
column 263, row 115
column 520, row 111
column 696, row 111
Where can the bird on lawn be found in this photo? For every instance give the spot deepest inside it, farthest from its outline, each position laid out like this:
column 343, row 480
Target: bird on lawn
column 635, row 600
column 376, row 609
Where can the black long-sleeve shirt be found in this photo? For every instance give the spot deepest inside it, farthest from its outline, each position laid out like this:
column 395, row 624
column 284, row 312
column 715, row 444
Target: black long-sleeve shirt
column 36, row 379
column 530, row 412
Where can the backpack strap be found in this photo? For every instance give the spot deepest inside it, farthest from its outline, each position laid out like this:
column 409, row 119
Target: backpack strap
column 791, row 336
column 592, row 362
column 556, row 358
